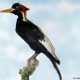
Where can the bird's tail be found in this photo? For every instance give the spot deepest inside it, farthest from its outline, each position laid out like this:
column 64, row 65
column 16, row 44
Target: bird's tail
column 54, row 61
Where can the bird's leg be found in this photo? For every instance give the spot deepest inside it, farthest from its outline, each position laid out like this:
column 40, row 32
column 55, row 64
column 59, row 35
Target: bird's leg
column 33, row 57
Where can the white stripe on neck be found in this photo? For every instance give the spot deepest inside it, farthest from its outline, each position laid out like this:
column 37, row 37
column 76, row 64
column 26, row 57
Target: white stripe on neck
column 24, row 17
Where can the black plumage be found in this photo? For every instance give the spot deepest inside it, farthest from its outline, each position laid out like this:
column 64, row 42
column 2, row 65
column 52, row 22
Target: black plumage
column 33, row 35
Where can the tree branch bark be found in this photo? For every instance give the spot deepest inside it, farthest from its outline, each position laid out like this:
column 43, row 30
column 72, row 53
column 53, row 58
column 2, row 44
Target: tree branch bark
column 28, row 70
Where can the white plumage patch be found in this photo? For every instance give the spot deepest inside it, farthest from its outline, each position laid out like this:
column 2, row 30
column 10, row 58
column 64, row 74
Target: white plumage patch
column 48, row 45
column 24, row 17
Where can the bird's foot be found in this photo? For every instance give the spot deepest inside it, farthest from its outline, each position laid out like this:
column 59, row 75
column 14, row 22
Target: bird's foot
column 32, row 57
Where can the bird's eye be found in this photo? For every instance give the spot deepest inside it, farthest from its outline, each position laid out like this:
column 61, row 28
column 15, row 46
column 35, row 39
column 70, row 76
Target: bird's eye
column 17, row 7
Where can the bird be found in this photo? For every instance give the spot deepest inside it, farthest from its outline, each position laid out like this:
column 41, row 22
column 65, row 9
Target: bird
column 33, row 35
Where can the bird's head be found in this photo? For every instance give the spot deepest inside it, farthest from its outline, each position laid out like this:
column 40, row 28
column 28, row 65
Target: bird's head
column 17, row 9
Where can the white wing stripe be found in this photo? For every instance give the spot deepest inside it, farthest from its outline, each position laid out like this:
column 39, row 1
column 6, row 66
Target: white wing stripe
column 48, row 45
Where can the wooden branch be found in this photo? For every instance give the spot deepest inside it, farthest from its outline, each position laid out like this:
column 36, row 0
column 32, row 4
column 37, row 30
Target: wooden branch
column 28, row 70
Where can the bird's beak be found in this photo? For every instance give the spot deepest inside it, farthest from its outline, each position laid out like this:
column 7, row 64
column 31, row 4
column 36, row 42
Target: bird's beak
column 8, row 10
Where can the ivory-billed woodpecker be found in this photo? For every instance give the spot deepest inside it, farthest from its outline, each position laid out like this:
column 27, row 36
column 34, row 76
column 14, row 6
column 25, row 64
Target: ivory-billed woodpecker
column 33, row 35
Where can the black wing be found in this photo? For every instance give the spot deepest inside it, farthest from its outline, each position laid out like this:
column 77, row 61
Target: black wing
column 34, row 31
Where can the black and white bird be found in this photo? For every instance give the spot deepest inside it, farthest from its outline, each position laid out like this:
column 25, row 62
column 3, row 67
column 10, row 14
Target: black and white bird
column 33, row 35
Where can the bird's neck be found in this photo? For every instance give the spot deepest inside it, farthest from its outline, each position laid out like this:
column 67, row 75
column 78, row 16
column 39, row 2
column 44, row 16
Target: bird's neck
column 22, row 16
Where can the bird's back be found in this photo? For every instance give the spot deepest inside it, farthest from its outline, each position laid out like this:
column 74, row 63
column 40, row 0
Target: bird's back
column 28, row 29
